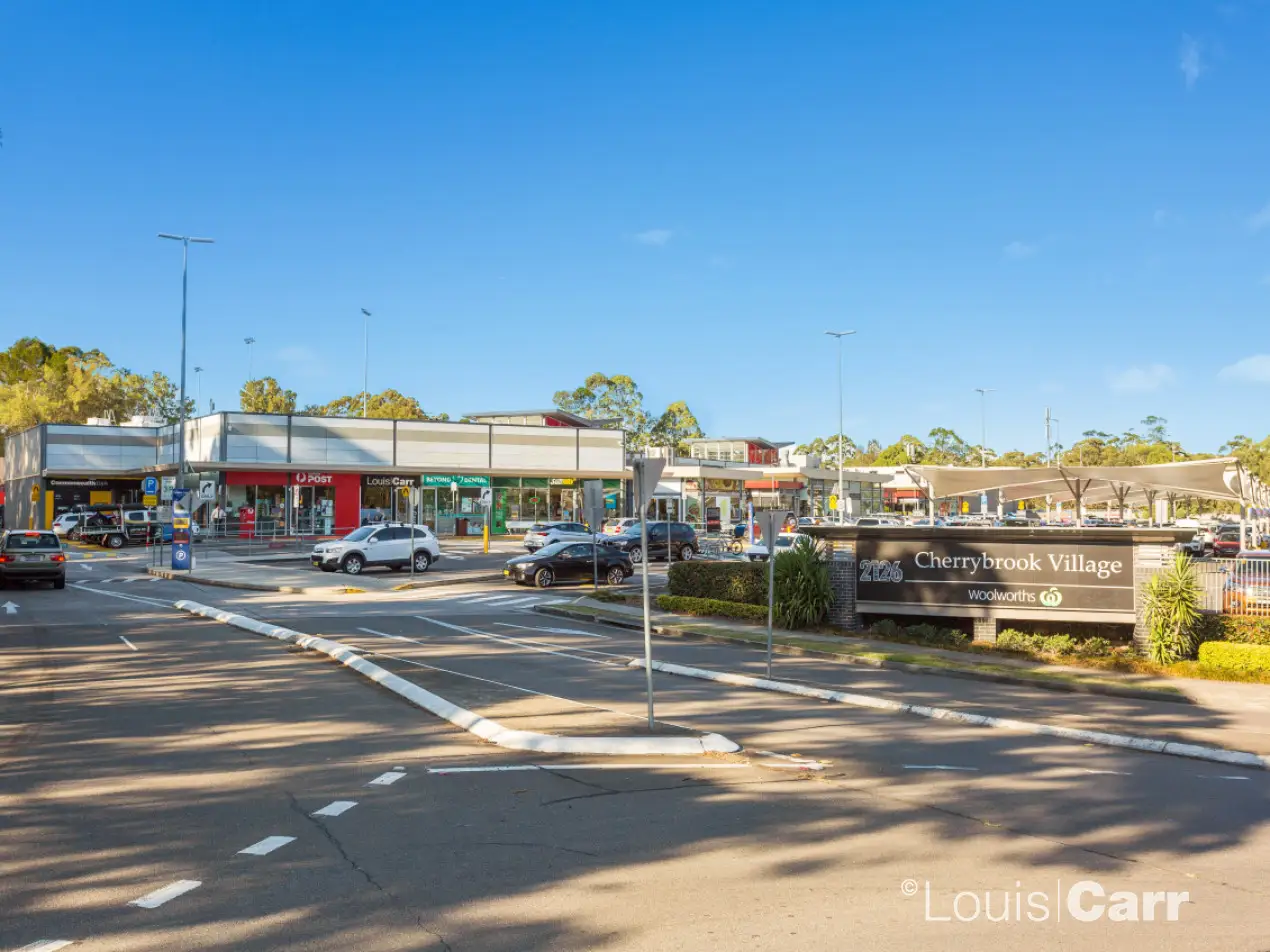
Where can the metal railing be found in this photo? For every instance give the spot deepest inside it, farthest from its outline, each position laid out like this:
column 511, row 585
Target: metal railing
column 1235, row 586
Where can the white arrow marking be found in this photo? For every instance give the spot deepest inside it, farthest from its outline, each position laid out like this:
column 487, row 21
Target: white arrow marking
column 10, row 608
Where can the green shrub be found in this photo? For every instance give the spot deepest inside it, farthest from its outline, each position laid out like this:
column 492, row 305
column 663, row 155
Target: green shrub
column 886, row 628
column 1059, row 644
column 1240, row 660
column 1245, row 629
column 803, row 590
column 1014, row 640
column 711, row 606
column 725, row 581
column 1171, row 600
column 1021, row 641
column 1094, row 648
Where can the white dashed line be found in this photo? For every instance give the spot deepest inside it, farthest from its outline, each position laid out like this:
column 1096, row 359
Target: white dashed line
column 1118, row 773
column 565, row 768
column 47, row 945
column 387, row 779
column 267, row 845
column 154, row 900
column 936, row 767
column 551, row 631
column 1227, row 777
column 127, row 642
column 383, row 634
column 336, row 807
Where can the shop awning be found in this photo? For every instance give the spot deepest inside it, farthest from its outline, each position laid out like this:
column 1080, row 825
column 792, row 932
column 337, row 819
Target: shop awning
column 773, row 484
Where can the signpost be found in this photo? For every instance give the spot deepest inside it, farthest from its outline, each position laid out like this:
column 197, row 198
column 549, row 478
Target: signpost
column 770, row 523
column 487, row 503
column 647, row 473
column 181, row 555
column 593, row 507
column 168, row 484
column 150, row 491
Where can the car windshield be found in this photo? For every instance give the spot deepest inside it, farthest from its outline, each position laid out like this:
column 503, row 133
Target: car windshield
column 555, row 548
column 784, row 542
column 357, row 535
column 32, row 540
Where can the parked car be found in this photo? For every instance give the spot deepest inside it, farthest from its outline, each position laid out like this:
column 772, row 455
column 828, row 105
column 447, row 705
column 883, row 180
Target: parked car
column 32, row 556
column 548, row 533
column 115, row 526
column 380, row 545
column 784, row 542
column 618, row 526
column 1227, row 544
column 879, row 521
column 682, row 537
column 65, row 525
column 570, row 561
column 1247, row 588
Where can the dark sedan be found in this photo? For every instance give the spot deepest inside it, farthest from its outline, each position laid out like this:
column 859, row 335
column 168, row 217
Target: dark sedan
column 32, row 557
column 569, row 562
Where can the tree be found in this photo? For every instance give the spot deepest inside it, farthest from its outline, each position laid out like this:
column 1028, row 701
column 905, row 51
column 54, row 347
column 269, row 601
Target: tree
column 615, row 398
column 265, row 396
column 947, row 448
column 1157, row 429
column 674, row 427
column 388, row 405
column 907, row 450
column 826, row 448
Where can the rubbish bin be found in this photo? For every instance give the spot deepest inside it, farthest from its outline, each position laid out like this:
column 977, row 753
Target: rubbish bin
column 460, row 527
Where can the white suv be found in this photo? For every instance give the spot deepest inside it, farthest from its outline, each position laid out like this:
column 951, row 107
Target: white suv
column 387, row 545
column 549, row 533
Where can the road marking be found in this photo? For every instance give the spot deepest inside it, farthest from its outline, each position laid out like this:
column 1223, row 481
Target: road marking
column 387, row 779
column 153, row 900
column 10, row 608
column 551, row 631
column 526, row 643
column 47, row 945
column 457, row 558
column 127, row 642
column 488, row 598
column 384, row 634
column 336, row 807
column 152, row 602
column 1118, row 773
column 936, row 767
column 1226, row 777
column 267, row 845
column 561, row 768
column 520, row 601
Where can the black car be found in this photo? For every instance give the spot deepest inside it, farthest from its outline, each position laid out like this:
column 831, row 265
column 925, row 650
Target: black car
column 682, row 537
column 567, row 562
column 34, row 556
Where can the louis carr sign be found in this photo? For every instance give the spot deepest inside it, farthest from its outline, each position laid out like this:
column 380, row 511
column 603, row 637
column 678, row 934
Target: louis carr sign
column 986, row 576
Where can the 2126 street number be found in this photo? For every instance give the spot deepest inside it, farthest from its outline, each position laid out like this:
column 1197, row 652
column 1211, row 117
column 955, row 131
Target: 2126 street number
column 880, row 570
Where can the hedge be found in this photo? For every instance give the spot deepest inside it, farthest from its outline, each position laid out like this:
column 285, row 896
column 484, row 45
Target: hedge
column 1245, row 629
column 1226, row 657
column 744, row 582
column 711, row 606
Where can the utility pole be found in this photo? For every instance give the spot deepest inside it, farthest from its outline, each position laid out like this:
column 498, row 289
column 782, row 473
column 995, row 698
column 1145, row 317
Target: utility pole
column 198, row 400
column 983, row 419
column 249, row 341
column 185, row 273
column 365, row 359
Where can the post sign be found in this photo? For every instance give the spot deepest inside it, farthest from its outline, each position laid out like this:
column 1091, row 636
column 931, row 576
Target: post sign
column 168, row 484
column 945, row 574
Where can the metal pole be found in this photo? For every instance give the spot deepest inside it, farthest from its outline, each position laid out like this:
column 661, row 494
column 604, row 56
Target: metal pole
column 643, row 543
column 185, row 261
column 365, row 359
column 841, row 501
column 771, row 593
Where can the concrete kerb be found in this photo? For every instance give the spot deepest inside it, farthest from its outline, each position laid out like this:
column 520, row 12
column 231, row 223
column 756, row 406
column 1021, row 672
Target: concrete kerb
column 1236, row 758
column 253, row 587
column 473, row 723
column 448, row 580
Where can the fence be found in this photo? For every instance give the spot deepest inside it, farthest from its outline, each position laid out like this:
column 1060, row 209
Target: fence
column 1235, row 586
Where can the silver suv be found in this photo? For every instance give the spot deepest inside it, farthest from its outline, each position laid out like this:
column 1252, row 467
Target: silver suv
column 386, row 545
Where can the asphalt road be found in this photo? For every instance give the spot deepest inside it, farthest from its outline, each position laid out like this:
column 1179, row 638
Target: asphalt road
column 141, row 748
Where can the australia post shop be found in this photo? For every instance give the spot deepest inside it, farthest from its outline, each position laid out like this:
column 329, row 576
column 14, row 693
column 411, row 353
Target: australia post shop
column 269, row 475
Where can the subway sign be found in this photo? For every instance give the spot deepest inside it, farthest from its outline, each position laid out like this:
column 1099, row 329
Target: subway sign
column 996, row 577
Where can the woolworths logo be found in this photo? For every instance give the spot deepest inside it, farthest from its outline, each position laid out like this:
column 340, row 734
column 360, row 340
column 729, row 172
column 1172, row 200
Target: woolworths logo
column 1051, row 598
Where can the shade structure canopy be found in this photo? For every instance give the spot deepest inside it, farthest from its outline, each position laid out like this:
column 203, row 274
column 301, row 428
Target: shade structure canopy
column 1223, row 478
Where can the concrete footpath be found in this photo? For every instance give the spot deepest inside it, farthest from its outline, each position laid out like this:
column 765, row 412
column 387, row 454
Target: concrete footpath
column 1232, row 716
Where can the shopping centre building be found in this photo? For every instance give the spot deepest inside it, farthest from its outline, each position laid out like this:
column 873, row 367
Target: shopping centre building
column 286, row 474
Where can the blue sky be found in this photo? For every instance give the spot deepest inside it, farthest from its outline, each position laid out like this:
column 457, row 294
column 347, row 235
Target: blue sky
column 1066, row 202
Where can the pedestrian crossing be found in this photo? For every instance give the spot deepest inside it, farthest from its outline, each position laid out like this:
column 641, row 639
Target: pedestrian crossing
column 120, row 580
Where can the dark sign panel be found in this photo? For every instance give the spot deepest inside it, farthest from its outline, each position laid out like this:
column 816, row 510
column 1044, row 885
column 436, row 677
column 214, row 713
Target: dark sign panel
column 392, row 482
column 952, row 573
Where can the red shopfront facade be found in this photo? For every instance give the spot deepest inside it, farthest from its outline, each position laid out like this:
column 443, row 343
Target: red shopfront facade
column 303, row 502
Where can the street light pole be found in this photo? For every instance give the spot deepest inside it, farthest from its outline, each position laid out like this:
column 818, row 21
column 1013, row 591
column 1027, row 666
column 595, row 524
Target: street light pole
column 198, row 400
column 185, row 261
column 983, row 419
column 249, row 341
column 365, row 359
column 842, row 502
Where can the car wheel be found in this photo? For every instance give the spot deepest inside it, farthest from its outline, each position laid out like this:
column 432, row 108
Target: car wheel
column 636, row 554
column 543, row 578
column 115, row 541
column 685, row 553
column 353, row 564
column 615, row 575
column 59, row 583
column 423, row 561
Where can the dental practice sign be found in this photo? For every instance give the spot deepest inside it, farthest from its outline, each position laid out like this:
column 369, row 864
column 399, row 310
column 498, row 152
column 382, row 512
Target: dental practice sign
column 952, row 573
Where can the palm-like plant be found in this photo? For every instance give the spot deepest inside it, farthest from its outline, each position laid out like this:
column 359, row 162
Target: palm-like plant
column 1171, row 600
column 803, row 590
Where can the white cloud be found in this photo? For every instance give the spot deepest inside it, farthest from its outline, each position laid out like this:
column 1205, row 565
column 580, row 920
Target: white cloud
column 654, row 236
column 1141, row 379
column 1190, row 60
column 1260, row 219
column 1254, row 369
column 1018, row 250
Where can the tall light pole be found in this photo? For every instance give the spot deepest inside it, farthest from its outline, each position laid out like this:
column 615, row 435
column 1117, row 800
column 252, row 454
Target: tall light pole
column 185, row 270
column 983, row 420
column 249, row 341
column 365, row 359
column 842, row 502
column 198, row 400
